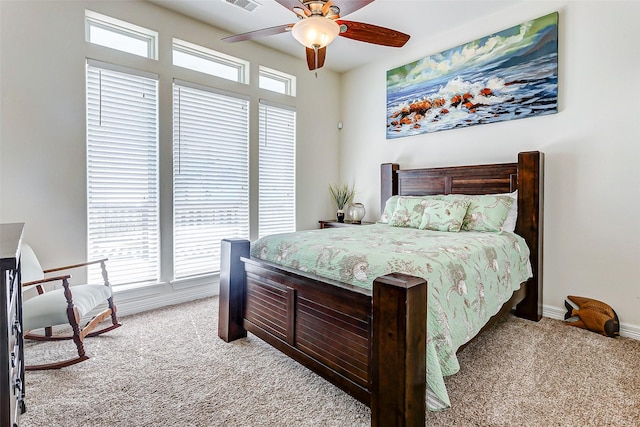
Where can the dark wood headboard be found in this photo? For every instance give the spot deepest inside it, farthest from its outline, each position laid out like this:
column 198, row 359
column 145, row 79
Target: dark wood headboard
column 526, row 175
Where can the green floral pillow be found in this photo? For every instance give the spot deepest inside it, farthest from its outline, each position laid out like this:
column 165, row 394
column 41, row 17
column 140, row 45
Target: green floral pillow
column 409, row 211
column 444, row 215
column 485, row 212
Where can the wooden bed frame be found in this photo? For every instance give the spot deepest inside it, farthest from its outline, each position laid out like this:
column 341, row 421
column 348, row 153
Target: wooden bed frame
column 372, row 344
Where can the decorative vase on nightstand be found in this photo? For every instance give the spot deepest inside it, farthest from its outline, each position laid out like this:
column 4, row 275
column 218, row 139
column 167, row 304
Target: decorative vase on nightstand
column 356, row 212
column 342, row 195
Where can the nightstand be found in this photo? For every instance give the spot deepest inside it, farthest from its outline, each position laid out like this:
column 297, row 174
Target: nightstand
column 333, row 223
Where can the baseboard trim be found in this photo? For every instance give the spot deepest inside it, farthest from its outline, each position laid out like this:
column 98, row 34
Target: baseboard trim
column 155, row 297
column 129, row 304
column 626, row 329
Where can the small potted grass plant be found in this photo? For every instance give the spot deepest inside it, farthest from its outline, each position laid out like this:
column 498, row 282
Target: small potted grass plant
column 342, row 196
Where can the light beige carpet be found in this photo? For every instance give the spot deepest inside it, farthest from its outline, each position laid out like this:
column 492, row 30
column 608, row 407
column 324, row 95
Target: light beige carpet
column 168, row 368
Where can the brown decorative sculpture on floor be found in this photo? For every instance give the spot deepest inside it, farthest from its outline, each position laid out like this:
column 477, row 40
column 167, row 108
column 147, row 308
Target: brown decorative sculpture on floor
column 593, row 315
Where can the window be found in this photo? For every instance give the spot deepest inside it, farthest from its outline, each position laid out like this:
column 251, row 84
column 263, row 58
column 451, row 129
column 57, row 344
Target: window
column 210, row 175
column 122, row 172
column 198, row 58
column 277, row 81
column 120, row 35
column 277, row 201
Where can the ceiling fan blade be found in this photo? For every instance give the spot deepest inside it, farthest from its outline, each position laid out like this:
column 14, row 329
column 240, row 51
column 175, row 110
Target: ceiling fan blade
column 326, row 8
column 370, row 33
column 349, row 6
column 291, row 4
column 258, row 33
column 314, row 62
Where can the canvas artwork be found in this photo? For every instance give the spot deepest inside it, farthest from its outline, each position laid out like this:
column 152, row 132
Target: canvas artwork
column 509, row 75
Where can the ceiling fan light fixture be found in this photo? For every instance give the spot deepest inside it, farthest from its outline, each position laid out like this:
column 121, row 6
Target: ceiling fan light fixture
column 315, row 32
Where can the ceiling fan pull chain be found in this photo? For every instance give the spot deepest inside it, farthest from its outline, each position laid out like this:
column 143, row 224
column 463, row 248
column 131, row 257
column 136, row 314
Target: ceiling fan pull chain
column 315, row 52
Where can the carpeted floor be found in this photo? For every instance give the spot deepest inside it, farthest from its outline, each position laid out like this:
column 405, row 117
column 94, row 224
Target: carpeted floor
column 168, row 368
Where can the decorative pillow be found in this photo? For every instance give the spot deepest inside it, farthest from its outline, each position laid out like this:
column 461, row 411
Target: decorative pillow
column 409, row 211
column 444, row 215
column 486, row 212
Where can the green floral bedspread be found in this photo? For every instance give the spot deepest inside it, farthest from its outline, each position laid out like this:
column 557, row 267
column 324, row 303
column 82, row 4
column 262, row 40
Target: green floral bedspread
column 470, row 275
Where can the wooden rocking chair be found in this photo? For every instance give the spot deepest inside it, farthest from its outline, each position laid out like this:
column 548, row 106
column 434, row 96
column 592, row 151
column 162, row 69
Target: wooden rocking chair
column 63, row 306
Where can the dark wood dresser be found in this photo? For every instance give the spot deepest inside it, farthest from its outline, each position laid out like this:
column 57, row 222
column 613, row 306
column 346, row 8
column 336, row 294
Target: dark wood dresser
column 11, row 353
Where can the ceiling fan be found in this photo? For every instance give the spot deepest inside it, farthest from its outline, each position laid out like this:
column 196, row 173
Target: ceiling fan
column 319, row 23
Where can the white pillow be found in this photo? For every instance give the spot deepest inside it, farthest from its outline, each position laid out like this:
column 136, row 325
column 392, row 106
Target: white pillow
column 510, row 223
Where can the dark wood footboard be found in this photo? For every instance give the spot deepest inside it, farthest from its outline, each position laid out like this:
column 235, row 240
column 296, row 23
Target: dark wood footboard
column 360, row 341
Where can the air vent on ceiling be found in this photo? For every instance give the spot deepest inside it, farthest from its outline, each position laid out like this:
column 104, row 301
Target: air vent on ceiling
column 244, row 4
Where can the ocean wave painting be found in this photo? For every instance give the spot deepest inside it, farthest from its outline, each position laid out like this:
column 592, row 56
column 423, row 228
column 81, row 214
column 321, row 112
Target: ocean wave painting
column 509, row 75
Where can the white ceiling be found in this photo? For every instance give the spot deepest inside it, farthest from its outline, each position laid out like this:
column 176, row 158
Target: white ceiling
column 418, row 18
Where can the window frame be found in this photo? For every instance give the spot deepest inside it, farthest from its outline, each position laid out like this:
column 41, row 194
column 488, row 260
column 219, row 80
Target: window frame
column 241, row 66
column 123, row 28
column 288, row 80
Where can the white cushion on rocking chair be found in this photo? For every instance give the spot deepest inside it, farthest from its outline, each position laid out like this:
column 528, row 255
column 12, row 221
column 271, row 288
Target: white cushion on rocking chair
column 50, row 308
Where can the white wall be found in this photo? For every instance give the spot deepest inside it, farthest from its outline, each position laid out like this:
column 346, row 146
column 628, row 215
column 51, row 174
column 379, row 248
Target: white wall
column 592, row 182
column 592, row 240
column 42, row 169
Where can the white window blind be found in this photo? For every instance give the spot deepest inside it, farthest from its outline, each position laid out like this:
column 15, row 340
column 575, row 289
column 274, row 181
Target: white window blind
column 210, row 176
column 277, row 171
column 122, row 173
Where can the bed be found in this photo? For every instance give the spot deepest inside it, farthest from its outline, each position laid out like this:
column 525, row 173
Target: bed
column 372, row 343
